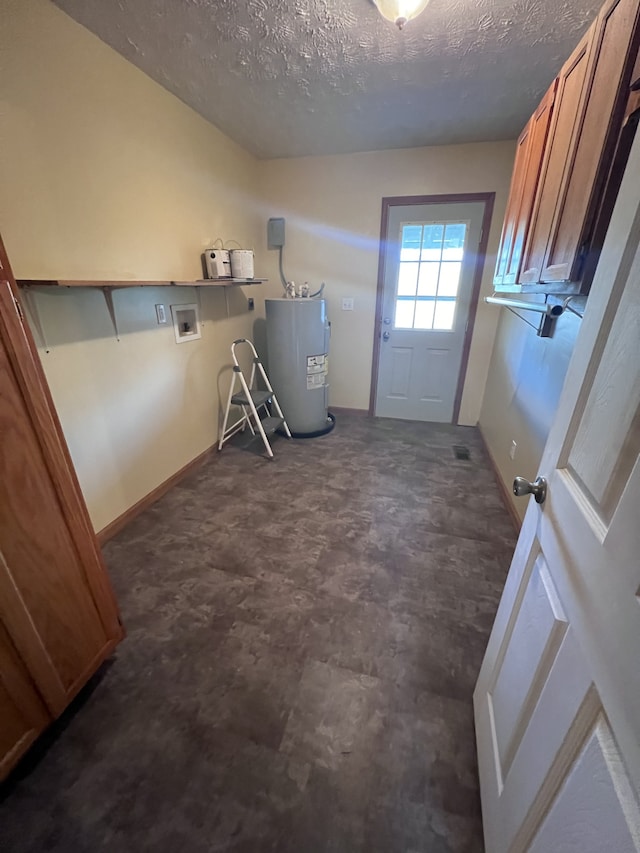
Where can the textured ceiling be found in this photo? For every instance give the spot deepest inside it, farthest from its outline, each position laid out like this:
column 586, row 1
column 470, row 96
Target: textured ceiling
column 291, row 77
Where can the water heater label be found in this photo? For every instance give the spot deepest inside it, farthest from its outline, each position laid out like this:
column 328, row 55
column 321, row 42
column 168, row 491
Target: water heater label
column 316, row 371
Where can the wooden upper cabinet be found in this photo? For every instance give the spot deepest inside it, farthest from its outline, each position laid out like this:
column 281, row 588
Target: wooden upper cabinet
column 569, row 97
column 590, row 103
column 524, row 183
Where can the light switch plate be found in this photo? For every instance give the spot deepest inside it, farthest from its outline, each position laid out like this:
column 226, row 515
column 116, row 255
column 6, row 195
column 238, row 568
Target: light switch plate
column 161, row 315
column 347, row 304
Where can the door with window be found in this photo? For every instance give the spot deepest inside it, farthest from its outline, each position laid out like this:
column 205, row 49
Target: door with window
column 432, row 265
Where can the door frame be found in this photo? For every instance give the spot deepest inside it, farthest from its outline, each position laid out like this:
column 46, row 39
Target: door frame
column 400, row 201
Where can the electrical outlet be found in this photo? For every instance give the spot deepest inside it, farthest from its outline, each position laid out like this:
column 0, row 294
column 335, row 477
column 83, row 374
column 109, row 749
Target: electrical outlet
column 250, row 303
column 347, row 304
column 512, row 450
column 161, row 315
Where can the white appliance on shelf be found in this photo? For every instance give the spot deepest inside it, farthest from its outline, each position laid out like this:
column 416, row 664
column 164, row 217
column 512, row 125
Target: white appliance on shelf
column 217, row 263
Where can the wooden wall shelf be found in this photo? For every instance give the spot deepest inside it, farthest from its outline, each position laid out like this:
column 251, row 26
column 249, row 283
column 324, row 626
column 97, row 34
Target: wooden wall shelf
column 27, row 286
column 205, row 282
column 219, row 282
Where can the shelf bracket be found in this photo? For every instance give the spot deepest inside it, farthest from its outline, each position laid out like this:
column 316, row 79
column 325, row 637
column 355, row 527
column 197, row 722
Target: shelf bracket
column 199, row 301
column 31, row 304
column 549, row 311
column 107, row 292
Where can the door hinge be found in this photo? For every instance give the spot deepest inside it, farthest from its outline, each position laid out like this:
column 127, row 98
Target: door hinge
column 19, row 308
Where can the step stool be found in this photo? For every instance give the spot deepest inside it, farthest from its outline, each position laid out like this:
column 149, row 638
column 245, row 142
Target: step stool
column 251, row 401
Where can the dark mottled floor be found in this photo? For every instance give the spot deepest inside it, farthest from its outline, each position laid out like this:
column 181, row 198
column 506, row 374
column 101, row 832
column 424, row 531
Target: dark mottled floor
column 304, row 636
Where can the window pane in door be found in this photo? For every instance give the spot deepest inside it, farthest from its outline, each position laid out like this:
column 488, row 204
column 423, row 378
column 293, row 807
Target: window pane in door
column 454, row 238
column 428, row 279
column 449, row 278
column 424, row 314
column 404, row 313
column 429, row 272
column 411, row 239
column 444, row 315
column 432, row 242
column 407, row 279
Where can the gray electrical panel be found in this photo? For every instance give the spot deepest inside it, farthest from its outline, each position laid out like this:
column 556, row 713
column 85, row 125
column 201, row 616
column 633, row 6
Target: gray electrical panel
column 275, row 233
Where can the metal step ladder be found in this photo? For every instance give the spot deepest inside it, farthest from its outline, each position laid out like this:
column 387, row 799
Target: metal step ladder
column 252, row 401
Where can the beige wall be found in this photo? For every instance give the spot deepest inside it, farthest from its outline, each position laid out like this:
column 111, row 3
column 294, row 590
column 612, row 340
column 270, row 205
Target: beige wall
column 332, row 207
column 526, row 375
column 105, row 175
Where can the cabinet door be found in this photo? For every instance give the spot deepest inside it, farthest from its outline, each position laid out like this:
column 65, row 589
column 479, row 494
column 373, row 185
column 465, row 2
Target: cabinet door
column 526, row 175
column 22, row 715
column 568, row 106
column 55, row 598
column 514, row 204
column 596, row 137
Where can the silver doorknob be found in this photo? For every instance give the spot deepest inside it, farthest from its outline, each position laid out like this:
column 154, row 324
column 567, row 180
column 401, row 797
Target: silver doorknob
column 386, row 336
column 538, row 489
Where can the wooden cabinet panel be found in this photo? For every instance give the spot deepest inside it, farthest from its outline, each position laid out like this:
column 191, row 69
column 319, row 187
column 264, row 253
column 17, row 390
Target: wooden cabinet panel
column 568, row 107
column 56, row 602
column 596, row 137
column 526, row 175
column 22, row 714
column 38, row 550
column 514, row 204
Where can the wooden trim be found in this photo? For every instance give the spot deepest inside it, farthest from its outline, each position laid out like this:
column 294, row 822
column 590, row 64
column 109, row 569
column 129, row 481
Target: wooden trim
column 489, row 202
column 138, row 507
column 453, row 198
column 341, row 410
column 377, row 323
column 504, row 491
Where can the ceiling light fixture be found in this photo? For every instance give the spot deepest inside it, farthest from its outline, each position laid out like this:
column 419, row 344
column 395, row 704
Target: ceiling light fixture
column 400, row 11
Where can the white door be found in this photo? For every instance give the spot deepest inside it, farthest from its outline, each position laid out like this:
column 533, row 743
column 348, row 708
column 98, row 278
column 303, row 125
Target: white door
column 429, row 272
column 557, row 702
